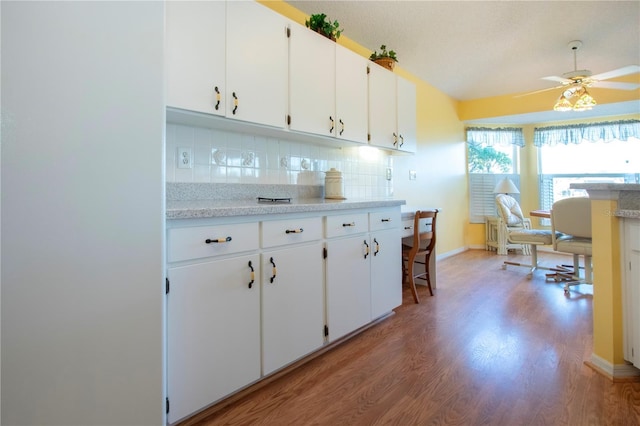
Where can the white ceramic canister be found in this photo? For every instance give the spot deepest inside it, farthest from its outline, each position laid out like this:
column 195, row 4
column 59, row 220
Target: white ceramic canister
column 333, row 186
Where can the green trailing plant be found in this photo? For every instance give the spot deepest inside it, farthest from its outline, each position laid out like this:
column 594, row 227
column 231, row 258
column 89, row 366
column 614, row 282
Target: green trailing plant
column 321, row 24
column 383, row 54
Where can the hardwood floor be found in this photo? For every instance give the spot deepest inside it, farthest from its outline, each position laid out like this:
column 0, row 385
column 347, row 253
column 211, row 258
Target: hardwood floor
column 490, row 348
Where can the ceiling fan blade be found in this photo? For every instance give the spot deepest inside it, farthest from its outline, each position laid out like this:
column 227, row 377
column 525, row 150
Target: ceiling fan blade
column 558, row 79
column 614, row 85
column 539, row 91
column 630, row 69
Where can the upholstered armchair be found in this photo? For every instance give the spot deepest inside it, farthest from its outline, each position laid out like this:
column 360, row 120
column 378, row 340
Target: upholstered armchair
column 510, row 218
column 516, row 229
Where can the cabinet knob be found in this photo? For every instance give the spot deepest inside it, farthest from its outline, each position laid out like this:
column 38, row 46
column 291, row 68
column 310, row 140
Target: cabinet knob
column 395, row 139
column 294, row 231
column 341, row 127
column 377, row 250
column 401, row 140
column 349, row 224
column 331, row 120
column 366, row 250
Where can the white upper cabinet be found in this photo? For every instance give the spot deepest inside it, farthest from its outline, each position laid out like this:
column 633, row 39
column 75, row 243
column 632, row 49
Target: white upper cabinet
column 406, row 115
column 327, row 87
column 392, row 110
column 233, row 59
column 382, row 107
column 352, row 98
column 256, row 64
column 312, row 82
column 195, row 60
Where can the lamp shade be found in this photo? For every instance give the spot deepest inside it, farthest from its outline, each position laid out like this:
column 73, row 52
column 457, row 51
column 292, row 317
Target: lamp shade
column 506, row 186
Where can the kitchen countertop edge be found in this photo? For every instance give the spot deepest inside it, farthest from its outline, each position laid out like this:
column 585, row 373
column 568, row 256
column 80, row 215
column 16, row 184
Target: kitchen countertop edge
column 217, row 208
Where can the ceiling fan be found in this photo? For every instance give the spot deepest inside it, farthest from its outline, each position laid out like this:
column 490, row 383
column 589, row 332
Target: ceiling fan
column 577, row 81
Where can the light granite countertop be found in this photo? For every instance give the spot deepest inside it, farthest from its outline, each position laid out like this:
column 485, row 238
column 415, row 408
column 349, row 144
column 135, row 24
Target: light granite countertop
column 192, row 209
column 627, row 195
column 207, row 200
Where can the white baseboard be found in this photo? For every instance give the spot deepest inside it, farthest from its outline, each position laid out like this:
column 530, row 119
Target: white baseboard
column 614, row 371
column 441, row 256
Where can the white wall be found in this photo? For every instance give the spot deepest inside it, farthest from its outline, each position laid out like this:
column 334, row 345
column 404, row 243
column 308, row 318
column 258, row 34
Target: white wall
column 82, row 213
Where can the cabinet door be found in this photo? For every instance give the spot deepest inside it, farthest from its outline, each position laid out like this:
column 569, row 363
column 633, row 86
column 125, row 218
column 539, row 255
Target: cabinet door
column 351, row 95
column 406, row 115
column 348, row 285
column 292, row 304
column 312, row 82
column 195, row 60
column 256, row 64
column 386, row 272
column 382, row 107
column 631, row 290
column 213, row 332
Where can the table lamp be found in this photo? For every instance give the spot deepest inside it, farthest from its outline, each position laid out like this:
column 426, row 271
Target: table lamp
column 506, row 186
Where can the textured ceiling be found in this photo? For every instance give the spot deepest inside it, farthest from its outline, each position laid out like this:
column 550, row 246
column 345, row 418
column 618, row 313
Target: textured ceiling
column 478, row 49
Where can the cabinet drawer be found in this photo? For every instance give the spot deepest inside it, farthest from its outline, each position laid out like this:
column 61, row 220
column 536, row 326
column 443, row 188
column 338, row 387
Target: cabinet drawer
column 347, row 224
column 407, row 228
column 291, row 231
column 205, row 241
column 387, row 219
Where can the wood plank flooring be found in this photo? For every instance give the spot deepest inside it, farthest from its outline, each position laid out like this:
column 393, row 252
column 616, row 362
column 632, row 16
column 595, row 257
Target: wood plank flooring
column 490, row 348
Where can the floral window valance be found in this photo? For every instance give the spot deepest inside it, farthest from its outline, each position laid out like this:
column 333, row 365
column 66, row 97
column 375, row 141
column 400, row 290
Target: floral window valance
column 592, row 132
column 495, row 136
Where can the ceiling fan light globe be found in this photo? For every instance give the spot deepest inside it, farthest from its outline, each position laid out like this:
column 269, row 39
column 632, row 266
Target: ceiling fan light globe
column 563, row 104
column 585, row 103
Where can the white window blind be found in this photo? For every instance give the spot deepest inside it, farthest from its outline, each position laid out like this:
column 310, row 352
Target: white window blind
column 482, row 200
column 481, row 197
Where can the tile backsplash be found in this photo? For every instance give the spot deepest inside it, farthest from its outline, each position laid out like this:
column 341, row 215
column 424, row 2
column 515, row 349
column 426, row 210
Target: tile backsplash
column 221, row 156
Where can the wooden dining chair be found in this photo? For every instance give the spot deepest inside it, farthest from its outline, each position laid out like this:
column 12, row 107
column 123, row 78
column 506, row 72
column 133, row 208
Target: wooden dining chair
column 423, row 244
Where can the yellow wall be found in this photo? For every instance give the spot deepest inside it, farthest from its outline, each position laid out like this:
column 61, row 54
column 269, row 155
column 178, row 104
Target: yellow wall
column 607, row 278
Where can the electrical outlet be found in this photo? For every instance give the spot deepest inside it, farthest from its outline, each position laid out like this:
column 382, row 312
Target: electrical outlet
column 388, row 174
column 412, row 175
column 185, row 158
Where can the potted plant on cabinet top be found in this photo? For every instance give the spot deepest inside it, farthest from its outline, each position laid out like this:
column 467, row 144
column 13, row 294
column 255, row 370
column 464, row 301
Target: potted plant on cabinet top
column 384, row 58
column 319, row 23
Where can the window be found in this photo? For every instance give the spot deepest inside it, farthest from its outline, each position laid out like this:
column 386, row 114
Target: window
column 596, row 152
column 492, row 154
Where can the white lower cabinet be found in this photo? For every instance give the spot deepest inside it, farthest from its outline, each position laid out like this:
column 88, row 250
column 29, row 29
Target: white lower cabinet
column 348, row 285
column 386, row 262
column 292, row 304
column 213, row 332
column 386, row 272
column 249, row 298
column 363, row 269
